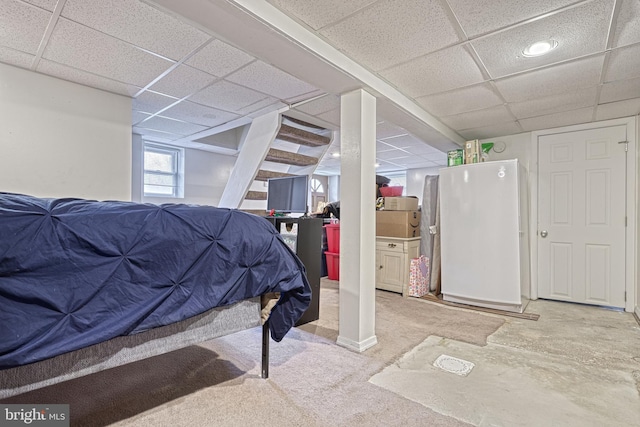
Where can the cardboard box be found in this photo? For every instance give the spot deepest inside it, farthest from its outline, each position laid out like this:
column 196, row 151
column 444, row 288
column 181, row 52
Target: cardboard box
column 455, row 157
column 398, row 223
column 471, row 151
column 400, row 203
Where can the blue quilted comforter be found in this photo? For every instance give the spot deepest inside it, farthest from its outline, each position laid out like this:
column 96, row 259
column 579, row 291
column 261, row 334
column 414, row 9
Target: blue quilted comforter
column 74, row 273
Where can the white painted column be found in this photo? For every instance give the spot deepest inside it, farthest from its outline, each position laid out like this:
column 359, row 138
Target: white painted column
column 357, row 220
column 253, row 149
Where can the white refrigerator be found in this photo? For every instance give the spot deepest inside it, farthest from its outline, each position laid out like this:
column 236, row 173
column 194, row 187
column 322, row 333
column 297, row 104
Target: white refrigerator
column 484, row 231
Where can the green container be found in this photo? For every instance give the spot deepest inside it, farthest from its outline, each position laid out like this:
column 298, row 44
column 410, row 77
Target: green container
column 455, row 157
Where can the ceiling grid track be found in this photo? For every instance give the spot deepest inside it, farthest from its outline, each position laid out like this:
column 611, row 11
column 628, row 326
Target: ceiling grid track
column 47, row 34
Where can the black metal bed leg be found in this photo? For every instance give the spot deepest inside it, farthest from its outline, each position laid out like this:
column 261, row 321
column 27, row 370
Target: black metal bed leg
column 265, row 350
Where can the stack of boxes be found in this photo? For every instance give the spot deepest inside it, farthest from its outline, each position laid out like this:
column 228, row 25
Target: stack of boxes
column 400, row 218
column 470, row 154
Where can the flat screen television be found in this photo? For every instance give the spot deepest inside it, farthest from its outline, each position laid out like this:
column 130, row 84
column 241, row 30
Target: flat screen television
column 288, row 195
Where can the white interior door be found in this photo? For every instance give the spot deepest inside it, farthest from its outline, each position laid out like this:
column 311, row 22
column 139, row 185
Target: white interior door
column 581, row 216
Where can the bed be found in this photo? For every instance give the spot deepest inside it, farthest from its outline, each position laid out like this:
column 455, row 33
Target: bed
column 88, row 285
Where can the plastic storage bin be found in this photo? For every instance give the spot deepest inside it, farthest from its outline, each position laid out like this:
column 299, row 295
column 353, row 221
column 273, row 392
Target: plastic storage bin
column 333, row 265
column 333, row 237
column 394, row 191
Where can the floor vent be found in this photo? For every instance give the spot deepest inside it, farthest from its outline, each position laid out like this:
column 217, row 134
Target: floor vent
column 453, row 365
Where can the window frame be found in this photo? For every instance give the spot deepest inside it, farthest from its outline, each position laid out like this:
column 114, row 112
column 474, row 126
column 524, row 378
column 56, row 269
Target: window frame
column 177, row 155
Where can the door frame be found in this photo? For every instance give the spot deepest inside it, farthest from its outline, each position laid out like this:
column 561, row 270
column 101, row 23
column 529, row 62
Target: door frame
column 631, row 202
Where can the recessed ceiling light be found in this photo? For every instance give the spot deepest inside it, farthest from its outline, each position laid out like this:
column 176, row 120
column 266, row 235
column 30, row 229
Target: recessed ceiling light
column 336, row 154
column 377, row 165
column 540, row 48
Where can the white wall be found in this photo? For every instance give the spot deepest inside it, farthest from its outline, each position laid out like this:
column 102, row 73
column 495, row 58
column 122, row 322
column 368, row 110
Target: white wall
column 415, row 181
column 517, row 147
column 333, row 190
column 205, row 176
column 61, row 139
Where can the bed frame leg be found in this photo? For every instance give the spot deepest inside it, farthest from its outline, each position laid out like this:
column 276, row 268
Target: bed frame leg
column 265, row 350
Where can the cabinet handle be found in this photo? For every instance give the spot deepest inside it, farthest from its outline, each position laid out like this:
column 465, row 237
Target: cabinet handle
column 392, row 245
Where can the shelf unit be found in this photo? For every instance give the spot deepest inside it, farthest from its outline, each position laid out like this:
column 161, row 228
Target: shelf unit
column 393, row 260
column 309, row 249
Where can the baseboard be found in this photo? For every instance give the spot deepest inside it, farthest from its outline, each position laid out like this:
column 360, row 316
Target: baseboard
column 355, row 345
column 636, row 312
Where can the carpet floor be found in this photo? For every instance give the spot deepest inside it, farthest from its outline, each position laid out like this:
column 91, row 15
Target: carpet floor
column 313, row 381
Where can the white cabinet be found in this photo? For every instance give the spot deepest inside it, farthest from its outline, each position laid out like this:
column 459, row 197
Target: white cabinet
column 393, row 258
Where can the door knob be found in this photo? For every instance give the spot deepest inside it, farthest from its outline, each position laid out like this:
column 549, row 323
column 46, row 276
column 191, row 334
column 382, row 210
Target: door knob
column 544, row 233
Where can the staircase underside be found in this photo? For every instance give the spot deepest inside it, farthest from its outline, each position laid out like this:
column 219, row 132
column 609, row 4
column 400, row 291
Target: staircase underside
column 310, row 139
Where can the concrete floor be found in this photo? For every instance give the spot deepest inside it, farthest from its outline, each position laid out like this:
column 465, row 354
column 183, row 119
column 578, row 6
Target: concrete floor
column 576, row 366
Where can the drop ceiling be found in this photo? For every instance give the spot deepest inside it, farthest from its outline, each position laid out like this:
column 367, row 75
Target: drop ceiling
column 194, row 68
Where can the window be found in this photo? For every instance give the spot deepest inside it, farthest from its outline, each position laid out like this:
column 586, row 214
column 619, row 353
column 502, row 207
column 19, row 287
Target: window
column 162, row 171
column 316, row 186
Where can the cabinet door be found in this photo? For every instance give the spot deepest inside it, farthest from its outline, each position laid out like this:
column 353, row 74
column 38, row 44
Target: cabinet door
column 390, row 270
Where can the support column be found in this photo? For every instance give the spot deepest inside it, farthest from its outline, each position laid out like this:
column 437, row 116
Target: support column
column 357, row 220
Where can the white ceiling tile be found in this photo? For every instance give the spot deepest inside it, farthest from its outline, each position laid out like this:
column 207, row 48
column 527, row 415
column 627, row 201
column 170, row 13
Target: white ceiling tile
column 165, row 124
column 501, row 129
column 332, row 116
column 183, row 81
column 138, row 116
column 320, row 105
column 479, row 118
column 624, row 63
column 137, row 23
column 402, row 141
column 573, row 100
column 84, row 78
column 393, row 31
column 614, row 110
column 151, row 102
column 387, row 167
column 219, row 59
column 552, row 80
column 199, row 114
column 262, row 107
column 387, row 129
column 566, row 118
column 461, row 100
column 481, row 16
column 413, row 162
column 424, row 150
column 49, row 5
column 15, row 57
column 620, row 90
column 270, row 80
column 628, row 24
column 579, row 31
column 318, row 14
column 382, row 146
column 439, row 72
column 392, row 154
column 227, row 96
column 22, row 25
column 80, row 47
column 155, row 135
column 436, row 157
